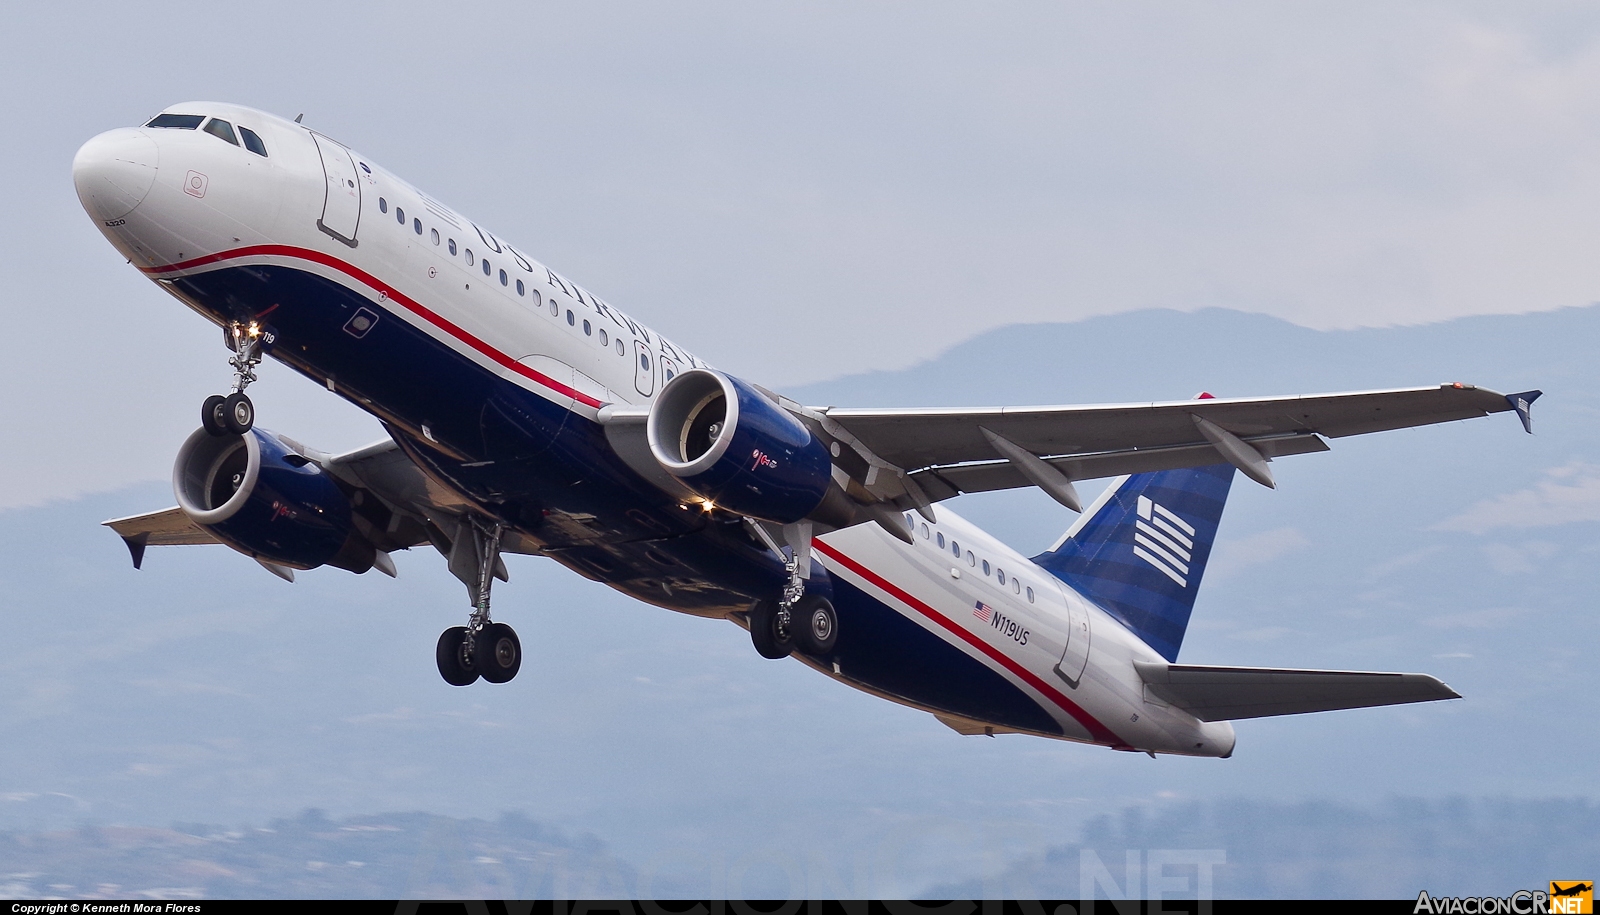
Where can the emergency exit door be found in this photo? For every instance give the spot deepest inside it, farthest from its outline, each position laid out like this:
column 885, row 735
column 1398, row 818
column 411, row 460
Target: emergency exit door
column 644, row 369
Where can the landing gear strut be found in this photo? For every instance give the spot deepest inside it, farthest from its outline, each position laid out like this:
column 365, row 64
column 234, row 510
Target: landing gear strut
column 235, row 414
column 481, row 648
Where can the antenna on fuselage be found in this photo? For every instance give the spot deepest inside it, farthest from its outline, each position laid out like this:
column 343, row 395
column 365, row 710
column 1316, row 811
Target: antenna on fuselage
column 299, row 116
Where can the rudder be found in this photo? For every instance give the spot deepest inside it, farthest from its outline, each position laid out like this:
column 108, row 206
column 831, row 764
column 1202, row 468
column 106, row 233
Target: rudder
column 1141, row 549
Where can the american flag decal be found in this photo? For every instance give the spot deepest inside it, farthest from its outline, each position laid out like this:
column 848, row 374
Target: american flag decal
column 983, row 612
column 1164, row 540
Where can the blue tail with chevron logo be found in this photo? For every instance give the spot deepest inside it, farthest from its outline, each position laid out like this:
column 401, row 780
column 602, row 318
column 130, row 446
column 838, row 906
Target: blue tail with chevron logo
column 1141, row 549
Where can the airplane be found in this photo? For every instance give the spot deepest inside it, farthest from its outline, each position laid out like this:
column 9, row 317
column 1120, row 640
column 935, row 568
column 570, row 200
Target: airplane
column 527, row 415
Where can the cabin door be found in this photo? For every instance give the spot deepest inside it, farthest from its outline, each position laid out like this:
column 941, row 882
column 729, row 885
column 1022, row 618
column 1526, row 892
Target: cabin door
column 341, row 207
column 1076, row 655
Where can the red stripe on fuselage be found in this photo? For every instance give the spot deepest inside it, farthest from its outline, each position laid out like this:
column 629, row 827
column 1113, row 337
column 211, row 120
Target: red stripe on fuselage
column 411, row 305
column 1098, row 731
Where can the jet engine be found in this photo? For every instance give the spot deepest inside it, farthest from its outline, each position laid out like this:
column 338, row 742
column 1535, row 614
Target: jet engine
column 733, row 445
column 259, row 496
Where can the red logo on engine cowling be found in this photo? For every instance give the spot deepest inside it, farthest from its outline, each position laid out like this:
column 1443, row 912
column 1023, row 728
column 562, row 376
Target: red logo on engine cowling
column 761, row 459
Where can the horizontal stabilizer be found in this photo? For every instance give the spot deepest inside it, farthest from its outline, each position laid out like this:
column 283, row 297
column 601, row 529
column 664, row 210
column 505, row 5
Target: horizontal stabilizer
column 1229, row 693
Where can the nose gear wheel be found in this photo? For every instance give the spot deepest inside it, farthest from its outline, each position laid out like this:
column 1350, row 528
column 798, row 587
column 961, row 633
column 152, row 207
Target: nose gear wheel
column 234, row 414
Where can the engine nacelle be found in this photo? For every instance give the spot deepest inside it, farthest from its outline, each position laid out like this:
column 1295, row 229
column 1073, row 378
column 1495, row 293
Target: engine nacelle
column 258, row 496
column 731, row 444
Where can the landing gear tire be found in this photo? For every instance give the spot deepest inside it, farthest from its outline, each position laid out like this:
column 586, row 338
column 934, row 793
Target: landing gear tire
column 238, row 413
column 498, row 653
column 448, row 655
column 212, row 415
column 771, row 640
column 816, row 626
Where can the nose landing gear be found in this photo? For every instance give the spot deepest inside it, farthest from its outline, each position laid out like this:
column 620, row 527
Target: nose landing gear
column 480, row 648
column 234, row 414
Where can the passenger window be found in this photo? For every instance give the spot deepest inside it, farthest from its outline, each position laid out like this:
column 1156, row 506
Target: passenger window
column 521, row 289
column 604, row 340
column 573, row 319
column 1000, row 574
column 400, row 215
column 486, row 266
column 985, row 566
column 470, row 261
column 971, row 559
column 416, row 226
column 644, row 359
column 253, row 142
column 939, row 539
column 452, row 247
column 588, row 330
column 535, row 294
column 555, row 309
column 383, row 205
column 925, row 533
column 1016, row 586
column 503, row 279
column 621, row 351
column 434, row 233
column 177, row 121
column 1030, row 595
column 222, row 130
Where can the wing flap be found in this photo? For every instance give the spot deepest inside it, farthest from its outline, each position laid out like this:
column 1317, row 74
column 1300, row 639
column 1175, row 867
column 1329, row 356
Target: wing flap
column 1229, row 693
column 986, row 476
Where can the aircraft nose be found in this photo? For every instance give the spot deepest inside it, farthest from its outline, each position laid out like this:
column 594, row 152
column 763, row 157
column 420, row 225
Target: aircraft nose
column 114, row 171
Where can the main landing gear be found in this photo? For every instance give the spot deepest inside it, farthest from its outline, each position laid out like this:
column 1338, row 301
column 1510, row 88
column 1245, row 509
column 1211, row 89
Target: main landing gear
column 799, row 622
column 235, row 414
column 480, row 648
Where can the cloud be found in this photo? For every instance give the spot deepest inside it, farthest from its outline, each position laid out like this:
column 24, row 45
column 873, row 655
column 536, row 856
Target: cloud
column 1566, row 495
column 1403, row 561
column 1262, row 634
column 1233, row 556
column 1488, row 618
column 1511, row 560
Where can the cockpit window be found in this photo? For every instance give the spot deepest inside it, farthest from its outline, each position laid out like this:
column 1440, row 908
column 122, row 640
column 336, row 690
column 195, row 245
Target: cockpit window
column 221, row 129
column 180, row 121
column 252, row 142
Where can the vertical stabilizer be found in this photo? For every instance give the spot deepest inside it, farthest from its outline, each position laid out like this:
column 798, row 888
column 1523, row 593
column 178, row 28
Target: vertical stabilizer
column 1141, row 549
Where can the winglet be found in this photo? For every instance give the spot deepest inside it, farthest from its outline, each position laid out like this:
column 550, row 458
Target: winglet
column 136, row 545
column 1523, row 404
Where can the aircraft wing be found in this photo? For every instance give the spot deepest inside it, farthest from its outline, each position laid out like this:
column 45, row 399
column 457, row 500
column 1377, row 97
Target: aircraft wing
column 946, row 451
column 1229, row 693
column 416, row 509
column 168, row 527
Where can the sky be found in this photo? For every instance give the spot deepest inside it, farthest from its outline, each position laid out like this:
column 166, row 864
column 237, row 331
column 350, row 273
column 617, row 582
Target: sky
column 875, row 181
column 803, row 192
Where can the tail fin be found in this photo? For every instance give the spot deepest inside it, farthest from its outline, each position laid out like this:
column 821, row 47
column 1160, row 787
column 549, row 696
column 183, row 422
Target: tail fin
column 1139, row 551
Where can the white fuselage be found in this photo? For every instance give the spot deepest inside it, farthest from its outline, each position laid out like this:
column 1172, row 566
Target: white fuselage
column 178, row 202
